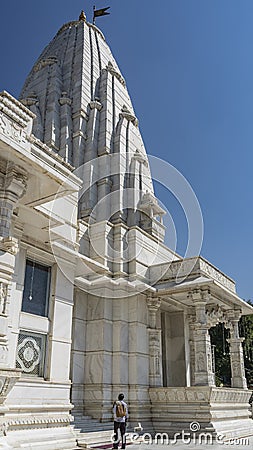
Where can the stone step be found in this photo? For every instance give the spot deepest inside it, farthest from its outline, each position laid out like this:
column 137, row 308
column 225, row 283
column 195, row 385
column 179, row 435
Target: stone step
column 88, row 424
column 94, row 439
column 99, row 440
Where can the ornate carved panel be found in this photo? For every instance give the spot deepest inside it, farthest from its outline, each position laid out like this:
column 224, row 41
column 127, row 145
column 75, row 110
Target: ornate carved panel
column 31, row 353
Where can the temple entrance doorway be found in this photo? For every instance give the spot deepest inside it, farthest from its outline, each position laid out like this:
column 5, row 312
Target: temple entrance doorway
column 173, row 349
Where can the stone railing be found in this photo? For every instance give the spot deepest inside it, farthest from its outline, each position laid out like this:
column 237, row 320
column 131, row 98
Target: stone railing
column 195, row 394
column 201, row 409
column 190, row 268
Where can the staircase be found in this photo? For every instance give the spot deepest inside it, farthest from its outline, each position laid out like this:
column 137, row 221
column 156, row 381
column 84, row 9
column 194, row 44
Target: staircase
column 90, row 433
column 86, row 424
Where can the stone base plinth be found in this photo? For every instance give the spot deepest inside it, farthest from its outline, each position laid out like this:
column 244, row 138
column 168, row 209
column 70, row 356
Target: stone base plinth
column 98, row 403
column 220, row 411
column 63, row 438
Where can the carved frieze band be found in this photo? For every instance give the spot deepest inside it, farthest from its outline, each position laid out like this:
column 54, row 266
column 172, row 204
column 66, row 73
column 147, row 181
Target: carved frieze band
column 189, row 395
column 36, row 421
column 198, row 266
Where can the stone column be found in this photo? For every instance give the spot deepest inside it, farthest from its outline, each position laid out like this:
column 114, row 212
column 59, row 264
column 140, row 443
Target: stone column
column 191, row 321
column 203, row 373
column 238, row 379
column 12, row 187
column 155, row 367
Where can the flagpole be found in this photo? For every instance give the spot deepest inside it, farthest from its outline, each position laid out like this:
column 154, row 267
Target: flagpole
column 99, row 13
column 94, row 18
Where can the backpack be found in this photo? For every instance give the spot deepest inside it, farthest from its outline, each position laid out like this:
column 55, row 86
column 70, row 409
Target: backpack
column 120, row 410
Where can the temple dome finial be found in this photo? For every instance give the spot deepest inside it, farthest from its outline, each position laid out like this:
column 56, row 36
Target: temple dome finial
column 82, row 16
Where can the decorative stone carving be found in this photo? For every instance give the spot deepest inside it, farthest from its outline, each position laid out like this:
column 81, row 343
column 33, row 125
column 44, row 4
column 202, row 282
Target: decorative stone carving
column 238, row 379
column 216, row 275
column 13, row 182
column 153, row 306
column 191, row 321
column 194, row 267
column 64, row 100
column 215, row 314
column 3, row 350
column 30, row 353
column 200, row 362
column 14, row 118
column 9, row 244
column 35, row 422
column 195, row 395
column 115, row 73
column 3, row 297
column 45, row 62
column 32, row 103
column 12, row 130
column 155, row 372
column 139, row 157
column 154, row 357
column 201, row 343
column 126, row 114
column 95, row 104
column 8, row 378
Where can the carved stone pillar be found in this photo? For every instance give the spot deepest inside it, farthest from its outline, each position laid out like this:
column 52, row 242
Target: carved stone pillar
column 155, row 367
column 12, row 187
column 238, row 379
column 203, row 373
column 191, row 321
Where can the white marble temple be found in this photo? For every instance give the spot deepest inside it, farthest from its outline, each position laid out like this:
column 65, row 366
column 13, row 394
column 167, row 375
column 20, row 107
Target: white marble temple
column 89, row 301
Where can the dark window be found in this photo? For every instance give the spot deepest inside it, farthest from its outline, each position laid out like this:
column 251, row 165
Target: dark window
column 36, row 289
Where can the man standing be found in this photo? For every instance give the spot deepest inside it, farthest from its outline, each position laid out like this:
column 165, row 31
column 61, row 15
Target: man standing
column 120, row 414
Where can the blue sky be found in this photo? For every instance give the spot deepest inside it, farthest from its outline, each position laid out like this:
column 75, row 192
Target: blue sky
column 188, row 65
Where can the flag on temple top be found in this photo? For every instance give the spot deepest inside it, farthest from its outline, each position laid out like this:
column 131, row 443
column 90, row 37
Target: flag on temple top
column 100, row 12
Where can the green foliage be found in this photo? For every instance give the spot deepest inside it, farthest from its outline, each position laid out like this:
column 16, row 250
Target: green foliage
column 246, row 331
column 219, row 335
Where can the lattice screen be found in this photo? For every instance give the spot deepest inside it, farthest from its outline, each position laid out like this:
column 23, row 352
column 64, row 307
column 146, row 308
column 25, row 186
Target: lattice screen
column 31, row 353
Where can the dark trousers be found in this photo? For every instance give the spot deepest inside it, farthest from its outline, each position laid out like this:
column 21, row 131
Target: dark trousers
column 119, row 431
